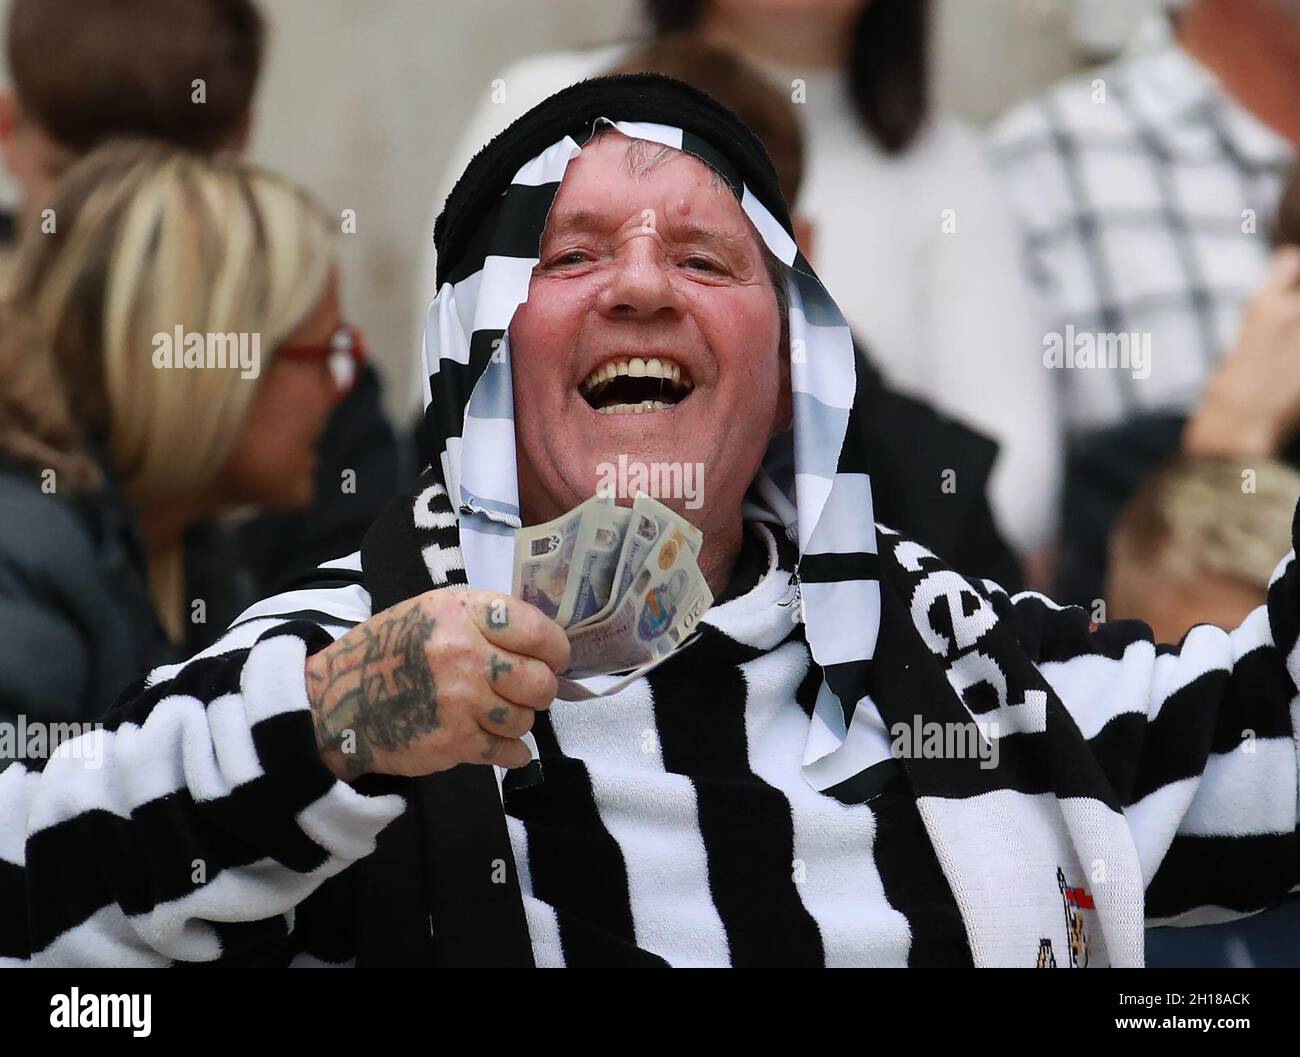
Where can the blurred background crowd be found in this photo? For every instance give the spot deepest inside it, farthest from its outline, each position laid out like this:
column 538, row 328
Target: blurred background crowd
column 1064, row 234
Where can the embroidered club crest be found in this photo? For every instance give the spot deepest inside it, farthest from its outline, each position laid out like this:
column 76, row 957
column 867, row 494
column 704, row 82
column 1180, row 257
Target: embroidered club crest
column 1075, row 902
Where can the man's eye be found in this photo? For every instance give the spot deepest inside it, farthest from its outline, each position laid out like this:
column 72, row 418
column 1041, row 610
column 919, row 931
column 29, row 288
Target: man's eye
column 572, row 257
column 702, row 264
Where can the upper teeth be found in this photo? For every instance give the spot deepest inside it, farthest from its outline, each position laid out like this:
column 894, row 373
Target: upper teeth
column 636, row 367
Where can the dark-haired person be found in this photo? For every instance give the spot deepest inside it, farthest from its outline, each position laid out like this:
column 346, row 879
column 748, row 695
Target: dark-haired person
column 184, row 72
column 375, row 768
column 902, row 199
column 956, row 523
column 81, row 72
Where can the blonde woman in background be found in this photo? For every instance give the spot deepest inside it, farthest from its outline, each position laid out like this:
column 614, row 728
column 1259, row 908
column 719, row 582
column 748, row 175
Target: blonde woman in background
column 159, row 257
column 1199, row 542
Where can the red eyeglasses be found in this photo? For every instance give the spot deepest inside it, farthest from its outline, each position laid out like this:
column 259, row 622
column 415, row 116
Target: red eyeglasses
column 344, row 353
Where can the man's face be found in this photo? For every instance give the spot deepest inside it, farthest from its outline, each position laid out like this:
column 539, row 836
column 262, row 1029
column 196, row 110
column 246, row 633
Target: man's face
column 651, row 293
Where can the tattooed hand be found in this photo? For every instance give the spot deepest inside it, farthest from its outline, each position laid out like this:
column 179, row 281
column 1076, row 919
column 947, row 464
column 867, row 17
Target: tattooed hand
column 449, row 677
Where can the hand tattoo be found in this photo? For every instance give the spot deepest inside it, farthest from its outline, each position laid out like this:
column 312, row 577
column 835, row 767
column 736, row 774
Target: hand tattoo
column 376, row 687
column 496, row 666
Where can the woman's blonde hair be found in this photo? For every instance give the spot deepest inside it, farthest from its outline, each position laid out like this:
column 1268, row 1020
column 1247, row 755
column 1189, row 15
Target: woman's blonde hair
column 37, row 431
column 143, row 238
column 1197, row 517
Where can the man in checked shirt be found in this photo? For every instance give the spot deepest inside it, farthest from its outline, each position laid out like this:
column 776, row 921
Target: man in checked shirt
column 1149, row 192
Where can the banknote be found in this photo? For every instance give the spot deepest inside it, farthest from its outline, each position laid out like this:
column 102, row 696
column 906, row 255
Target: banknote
column 649, row 520
column 624, row 584
column 594, row 562
column 572, row 690
column 543, row 556
column 660, row 609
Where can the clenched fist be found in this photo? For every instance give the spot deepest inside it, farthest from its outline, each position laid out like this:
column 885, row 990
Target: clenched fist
column 448, row 677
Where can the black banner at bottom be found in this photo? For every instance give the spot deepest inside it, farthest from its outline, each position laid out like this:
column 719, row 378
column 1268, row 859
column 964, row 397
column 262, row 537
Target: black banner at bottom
column 336, row 1007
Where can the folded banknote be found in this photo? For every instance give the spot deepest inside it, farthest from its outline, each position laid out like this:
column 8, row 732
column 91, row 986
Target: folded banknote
column 624, row 584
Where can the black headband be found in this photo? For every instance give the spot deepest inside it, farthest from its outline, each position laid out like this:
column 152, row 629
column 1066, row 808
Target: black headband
column 724, row 141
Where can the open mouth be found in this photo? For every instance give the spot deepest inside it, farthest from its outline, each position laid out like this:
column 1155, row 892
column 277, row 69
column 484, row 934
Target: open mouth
column 632, row 386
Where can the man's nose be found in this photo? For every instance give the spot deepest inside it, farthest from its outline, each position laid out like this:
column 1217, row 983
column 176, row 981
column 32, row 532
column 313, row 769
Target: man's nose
column 640, row 284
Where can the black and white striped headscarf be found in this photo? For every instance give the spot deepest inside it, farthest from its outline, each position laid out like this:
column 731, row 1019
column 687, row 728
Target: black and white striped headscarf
column 488, row 240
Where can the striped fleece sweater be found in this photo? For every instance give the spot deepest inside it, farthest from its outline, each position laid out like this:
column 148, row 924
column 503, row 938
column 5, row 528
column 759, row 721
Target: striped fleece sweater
column 671, row 824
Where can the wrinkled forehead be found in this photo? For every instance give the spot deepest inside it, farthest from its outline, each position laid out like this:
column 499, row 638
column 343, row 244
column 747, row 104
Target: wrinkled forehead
column 617, row 179
column 611, row 152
